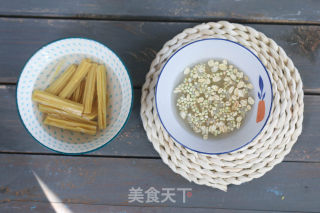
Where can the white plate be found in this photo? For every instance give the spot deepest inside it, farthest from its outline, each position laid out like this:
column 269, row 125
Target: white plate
column 39, row 72
column 200, row 51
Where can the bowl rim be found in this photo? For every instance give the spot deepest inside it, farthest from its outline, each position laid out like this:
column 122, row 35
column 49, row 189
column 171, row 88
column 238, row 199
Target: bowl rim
column 214, row 153
column 105, row 143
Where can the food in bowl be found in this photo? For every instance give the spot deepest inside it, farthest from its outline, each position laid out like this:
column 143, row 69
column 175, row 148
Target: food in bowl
column 214, row 97
column 76, row 98
column 171, row 76
column 48, row 63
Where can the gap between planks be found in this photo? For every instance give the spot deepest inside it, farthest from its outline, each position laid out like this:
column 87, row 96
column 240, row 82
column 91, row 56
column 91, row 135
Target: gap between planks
column 146, row 206
column 112, row 156
column 166, row 19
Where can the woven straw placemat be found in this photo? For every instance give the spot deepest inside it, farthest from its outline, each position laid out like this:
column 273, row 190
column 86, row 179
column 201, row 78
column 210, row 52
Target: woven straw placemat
column 273, row 143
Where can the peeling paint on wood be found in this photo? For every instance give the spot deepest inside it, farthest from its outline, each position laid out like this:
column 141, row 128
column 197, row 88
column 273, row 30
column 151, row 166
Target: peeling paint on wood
column 308, row 40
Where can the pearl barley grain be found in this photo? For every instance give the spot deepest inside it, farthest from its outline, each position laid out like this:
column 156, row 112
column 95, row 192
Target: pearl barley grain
column 212, row 95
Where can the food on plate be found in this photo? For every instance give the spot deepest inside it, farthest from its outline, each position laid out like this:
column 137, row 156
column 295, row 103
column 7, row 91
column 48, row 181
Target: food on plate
column 77, row 94
column 76, row 79
column 72, row 125
column 63, row 114
column 102, row 97
column 214, row 97
column 76, row 98
column 90, row 88
column 56, row 87
column 48, row 99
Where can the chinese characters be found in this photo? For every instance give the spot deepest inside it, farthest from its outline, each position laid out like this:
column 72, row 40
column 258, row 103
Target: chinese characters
column 153, row 195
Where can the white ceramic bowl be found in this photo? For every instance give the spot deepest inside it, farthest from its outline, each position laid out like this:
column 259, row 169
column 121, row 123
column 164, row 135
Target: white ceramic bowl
column 39, row 72
column 172, row 74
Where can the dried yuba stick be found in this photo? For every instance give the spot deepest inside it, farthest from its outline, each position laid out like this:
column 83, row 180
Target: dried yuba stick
column 48, row 99
column 92, row 115
column 70, row 125
column 76, row 79
column 63, row 79
column 62, row 114
column 78, row 93
column 89, row 89
column 102, row 96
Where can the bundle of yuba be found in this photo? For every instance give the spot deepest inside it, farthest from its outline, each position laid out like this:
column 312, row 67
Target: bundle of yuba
column 77, row 99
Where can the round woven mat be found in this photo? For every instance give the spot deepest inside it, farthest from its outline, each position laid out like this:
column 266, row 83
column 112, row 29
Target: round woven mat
column 273, row 143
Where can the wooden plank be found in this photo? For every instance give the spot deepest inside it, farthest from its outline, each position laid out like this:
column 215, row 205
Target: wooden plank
column 133, row 140
column 243, row 10
column 307, row 148
column 18, row 206
column 290, row 186
column 137, row 43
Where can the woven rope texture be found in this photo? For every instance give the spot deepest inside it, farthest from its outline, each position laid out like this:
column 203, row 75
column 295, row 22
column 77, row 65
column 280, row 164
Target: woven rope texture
column 273, row 143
